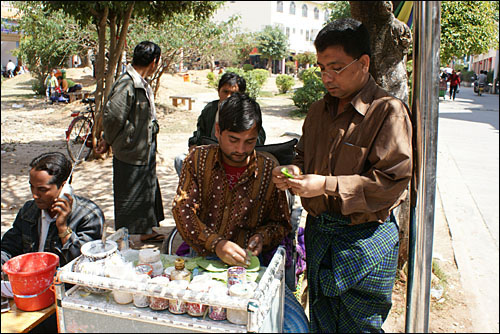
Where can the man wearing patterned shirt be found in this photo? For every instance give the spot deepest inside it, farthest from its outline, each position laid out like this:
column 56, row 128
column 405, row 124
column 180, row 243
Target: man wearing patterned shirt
column 226, row 202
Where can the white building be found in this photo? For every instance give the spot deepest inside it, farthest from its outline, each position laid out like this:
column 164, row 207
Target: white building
column 300, row 20
column 10, row 37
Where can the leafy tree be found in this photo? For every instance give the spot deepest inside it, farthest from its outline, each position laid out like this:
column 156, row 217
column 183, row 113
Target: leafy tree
column 306, row 58
column 272, row 44
column 338, row 9
column 284, row 83
column 467, row 27
column 182, row 37
column 243, row 44
column 61, row 38
column 112, row 18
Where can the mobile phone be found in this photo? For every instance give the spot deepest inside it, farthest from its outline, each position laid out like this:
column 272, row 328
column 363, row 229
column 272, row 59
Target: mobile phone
column 66, row 189
column 285, row 172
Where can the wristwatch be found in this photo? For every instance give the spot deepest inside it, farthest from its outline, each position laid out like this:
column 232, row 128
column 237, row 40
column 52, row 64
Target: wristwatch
column 65, row 233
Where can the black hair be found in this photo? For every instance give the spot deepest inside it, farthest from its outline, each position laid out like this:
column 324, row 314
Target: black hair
column 232, row 79
column 239, row 113
column 352, row 35
column 55, row 164
column 145, row 53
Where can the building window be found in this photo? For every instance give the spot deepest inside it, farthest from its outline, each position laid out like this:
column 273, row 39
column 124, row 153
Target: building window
column 292, row 8
column 304, row 10
column 316, row 13
column 301, row 31
column 280, row 6
column 327, row 15
column 293, row 31
column 287, row 32
column 307, row 35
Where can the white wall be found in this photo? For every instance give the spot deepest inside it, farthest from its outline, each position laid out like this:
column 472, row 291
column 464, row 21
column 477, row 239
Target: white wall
column 7, row 47
column 255, row 15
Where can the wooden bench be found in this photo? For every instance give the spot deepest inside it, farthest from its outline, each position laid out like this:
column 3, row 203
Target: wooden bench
column 78, row 95
column 183, row 99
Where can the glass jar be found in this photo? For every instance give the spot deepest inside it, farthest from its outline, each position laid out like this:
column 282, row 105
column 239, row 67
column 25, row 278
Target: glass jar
column 180, row 272
column 177, row 306
column 158, row 303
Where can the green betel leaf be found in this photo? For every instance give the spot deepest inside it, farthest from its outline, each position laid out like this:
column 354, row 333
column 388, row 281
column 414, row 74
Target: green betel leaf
column 212, row 265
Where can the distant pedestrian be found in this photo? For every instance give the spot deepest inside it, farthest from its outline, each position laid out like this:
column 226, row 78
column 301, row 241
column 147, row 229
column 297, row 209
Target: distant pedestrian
column 10, row 68
column 454, row 80
column 51, row 84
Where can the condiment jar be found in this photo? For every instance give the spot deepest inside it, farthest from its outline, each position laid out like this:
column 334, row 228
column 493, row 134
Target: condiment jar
column 177, row 306
column 236, row 275
column 141, row 300
column 217, row 312
column 152, row 257
column 180, row 272
column 158, row 303
column 243, row 290
column 197, row 309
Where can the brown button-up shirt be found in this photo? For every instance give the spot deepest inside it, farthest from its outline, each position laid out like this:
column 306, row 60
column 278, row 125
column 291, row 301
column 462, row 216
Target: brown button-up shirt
column 206, row 210
column 365, row 152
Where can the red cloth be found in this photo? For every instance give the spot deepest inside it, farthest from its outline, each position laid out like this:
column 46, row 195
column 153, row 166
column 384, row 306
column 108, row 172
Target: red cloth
column 233, row 174
column 454, row 80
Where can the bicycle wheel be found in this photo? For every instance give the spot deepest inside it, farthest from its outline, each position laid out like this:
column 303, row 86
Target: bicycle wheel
column 79, row 130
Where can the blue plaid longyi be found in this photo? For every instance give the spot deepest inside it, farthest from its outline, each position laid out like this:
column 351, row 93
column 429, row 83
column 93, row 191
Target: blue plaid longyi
column 351, row 272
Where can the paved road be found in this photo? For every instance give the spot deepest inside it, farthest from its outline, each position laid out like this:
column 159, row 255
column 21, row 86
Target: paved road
column 468, row 184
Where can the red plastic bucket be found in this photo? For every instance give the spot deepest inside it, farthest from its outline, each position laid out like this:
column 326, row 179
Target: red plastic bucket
column 30, row 277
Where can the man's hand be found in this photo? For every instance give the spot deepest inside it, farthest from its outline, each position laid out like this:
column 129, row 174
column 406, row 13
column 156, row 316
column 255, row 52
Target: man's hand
column 255, row 244
column 310, row 185
column 62, row 207
column 280, row 180
column 232, row 254
column 102, row 147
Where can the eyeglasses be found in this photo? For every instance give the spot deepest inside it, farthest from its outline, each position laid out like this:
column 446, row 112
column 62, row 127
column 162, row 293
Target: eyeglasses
column 337, row 72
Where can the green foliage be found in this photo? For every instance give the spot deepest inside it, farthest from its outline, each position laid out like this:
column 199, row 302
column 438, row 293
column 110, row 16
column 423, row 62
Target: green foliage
column 312, row 90
column 308, row 74
column 284, row 83
column 290, row 67
column 247, row 67
column 212, row 79
column 338, row 9
column 306, row 58
column 241, row 46
column 467, row 75
column 253, row 79
column 261, row 75
column 467, row 27
column 272, row 43
column 47, row 40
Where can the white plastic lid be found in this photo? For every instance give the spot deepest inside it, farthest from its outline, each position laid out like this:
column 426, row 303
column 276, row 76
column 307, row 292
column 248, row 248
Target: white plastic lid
column 149, row 255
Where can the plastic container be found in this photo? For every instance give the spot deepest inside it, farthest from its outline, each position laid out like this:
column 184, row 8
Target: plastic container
column 157, row 303
column 176, row 306
column 242, row 290
column 186, row 77
column 31, row 276
column 197, row 309
column 236, row 275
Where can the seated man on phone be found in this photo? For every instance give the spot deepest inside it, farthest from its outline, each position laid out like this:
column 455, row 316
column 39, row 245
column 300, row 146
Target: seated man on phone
column 50, row 222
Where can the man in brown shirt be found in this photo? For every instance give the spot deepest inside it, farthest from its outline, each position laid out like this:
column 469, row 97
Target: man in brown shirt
column 353, row 165
column 226, row 201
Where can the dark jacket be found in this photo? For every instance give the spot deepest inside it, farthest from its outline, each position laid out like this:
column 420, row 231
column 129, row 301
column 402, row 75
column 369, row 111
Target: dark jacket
column 127, row 120
column 206, row 122
column 86, row 220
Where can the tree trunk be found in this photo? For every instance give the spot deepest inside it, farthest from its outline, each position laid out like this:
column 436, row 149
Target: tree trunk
column 99, row 73
column 390, row 43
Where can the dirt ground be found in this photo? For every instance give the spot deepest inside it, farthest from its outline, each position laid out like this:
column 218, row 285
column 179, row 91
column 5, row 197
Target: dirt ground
column 30, row 126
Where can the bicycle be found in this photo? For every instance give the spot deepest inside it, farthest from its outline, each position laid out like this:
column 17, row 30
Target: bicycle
column 79, row 133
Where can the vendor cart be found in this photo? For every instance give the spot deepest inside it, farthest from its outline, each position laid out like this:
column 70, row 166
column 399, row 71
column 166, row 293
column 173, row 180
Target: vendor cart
column 84, row 312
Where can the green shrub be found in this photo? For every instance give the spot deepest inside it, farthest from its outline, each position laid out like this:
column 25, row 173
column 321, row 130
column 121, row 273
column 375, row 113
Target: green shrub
column 38, row 86
column 307, row 72
column 247, row 67
column 212, row 79
column 253, row 80
column 290, row 67
column 261, row 75
column 284, row 83
column 467, row 75
column 313, row 90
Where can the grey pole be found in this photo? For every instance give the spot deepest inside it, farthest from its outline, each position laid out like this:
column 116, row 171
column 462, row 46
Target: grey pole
column 425, row 104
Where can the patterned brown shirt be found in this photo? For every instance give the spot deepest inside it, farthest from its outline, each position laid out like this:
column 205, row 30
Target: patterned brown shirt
column 365, row 153
column 206, row 210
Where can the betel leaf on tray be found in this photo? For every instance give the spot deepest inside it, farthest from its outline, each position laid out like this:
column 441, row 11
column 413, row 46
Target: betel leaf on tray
column 254, row 264
column 212, row 265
